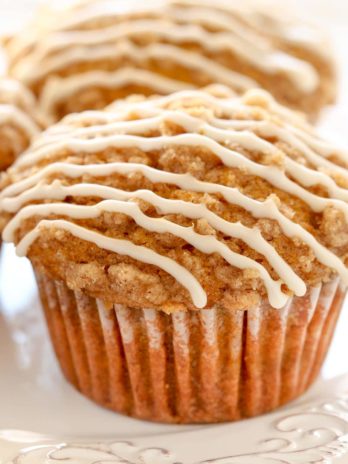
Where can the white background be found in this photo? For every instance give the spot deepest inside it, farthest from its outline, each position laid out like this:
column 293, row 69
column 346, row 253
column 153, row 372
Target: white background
column 331, row 15
column 28, row 369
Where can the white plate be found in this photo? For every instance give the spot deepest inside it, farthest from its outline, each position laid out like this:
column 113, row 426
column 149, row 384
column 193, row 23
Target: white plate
column 44, row 420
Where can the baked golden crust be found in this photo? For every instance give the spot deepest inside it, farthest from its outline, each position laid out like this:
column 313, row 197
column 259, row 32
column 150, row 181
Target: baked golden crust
column 96, row 140
column 88, row 56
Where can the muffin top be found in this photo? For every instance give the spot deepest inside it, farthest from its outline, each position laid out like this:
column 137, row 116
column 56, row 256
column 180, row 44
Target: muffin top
column 18, row 120
column 88, row 55
column 198, row 199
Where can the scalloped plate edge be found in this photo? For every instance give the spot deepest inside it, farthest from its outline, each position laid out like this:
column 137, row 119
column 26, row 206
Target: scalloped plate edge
column 315, row 433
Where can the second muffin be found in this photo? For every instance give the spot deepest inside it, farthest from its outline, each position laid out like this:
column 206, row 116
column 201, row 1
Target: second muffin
column 97, row 51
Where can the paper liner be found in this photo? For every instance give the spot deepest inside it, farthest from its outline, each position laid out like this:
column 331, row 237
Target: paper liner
column 190, row 367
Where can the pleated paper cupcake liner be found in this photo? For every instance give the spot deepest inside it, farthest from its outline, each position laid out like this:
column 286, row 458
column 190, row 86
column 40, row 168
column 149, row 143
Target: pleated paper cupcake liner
column 190, row 367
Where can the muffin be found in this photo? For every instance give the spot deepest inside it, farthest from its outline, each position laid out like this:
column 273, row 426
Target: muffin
column 86, row 56
column 189, row 251
column 18, row 121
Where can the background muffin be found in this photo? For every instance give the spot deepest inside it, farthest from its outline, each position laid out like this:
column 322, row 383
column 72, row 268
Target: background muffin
column 97, row 51
column 190, row 252
column 18, row 120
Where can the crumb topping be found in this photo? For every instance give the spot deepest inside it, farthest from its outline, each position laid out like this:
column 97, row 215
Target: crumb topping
column 232, row 196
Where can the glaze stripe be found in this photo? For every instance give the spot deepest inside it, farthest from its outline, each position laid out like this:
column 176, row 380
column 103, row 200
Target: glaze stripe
column 122, row 247
column 228, row 157
column 60, row 89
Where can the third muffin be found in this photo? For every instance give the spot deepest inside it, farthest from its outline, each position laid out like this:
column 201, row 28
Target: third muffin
column 19, row 120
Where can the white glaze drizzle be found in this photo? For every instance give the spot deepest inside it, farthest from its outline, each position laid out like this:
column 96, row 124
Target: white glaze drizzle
column 314, row 150
column 307, row 177
column 205, row 243
column 60, row 89
column 266, row 209
column 122, row 247
column 203, row 134
column 321, row 146
column 293, row 122
column 228, row 157
column 13, row 92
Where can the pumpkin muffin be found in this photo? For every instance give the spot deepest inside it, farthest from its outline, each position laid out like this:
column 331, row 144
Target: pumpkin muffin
column 88, row 55
column 190, row 251
column 18, row 120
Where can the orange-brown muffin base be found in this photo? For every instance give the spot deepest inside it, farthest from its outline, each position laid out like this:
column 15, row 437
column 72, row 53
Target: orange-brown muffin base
column 190, row 367
column 12, row 142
